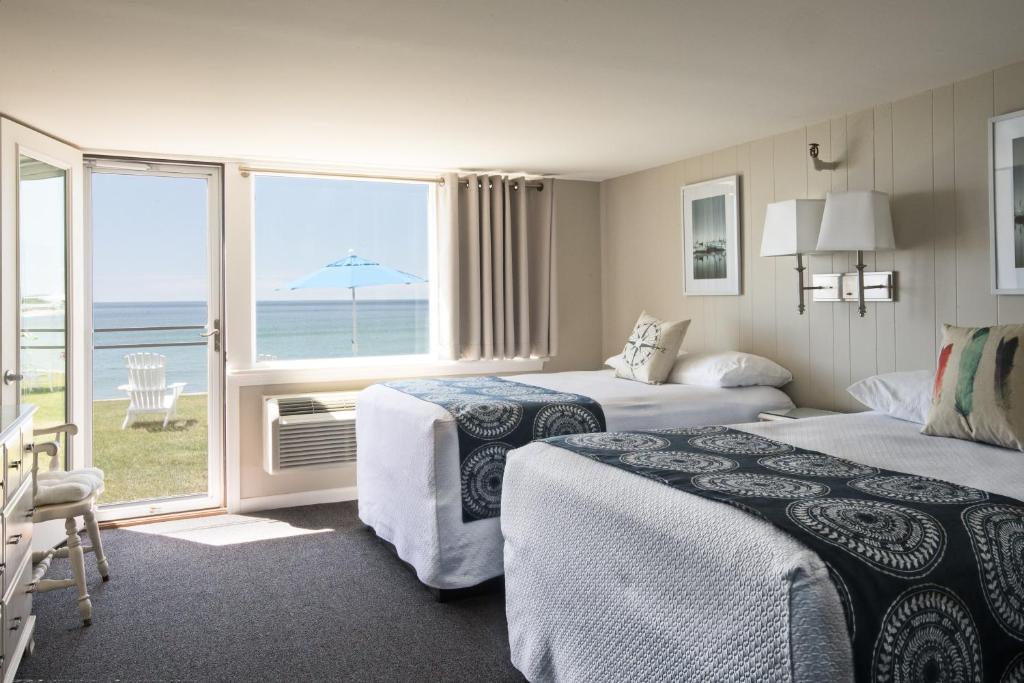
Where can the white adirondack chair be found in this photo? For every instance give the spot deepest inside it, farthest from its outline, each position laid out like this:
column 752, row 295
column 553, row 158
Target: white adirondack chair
column 147, row 388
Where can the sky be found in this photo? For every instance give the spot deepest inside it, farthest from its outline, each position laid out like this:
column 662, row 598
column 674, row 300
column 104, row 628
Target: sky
column 302, row 224
column 149, row 235
column 41, row 238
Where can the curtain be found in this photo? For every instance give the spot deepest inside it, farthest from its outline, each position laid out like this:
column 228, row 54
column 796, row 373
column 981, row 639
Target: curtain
column 496, row 245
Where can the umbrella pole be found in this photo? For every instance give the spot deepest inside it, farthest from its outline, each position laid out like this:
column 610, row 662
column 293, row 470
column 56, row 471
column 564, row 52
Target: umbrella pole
column 355, row 344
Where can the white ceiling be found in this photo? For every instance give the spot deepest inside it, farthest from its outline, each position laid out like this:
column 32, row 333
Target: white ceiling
column 581, row 88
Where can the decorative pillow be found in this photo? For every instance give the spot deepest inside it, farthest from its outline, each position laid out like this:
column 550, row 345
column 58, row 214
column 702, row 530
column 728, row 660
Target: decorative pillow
column 978, row 392
column 903, row 395
column 728, row 369
column 651, row 349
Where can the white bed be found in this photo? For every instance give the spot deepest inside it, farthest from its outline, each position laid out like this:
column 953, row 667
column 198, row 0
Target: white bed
column 610, row 576
column 408, row 462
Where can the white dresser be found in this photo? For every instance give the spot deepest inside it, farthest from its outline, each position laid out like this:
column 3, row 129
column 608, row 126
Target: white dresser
column 16, row 615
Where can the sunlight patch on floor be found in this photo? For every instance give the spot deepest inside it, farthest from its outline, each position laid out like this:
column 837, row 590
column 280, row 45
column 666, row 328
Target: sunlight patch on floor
column 225, row 530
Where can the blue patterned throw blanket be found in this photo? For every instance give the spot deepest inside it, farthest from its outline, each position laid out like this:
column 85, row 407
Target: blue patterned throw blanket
column 495, row 415
column 930, row 574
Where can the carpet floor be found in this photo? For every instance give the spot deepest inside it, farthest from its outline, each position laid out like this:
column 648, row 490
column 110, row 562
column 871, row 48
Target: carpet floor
column 298, row 594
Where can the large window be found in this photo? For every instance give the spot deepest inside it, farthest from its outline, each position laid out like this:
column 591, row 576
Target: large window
column 342, row 268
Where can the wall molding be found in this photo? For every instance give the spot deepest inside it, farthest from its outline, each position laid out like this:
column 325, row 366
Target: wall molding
column 287, row 500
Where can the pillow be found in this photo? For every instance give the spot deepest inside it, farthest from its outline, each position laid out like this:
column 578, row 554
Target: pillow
column 728, row 369
column 978, row 392
column 651, row 349
column 903, row 395
column 618, row 361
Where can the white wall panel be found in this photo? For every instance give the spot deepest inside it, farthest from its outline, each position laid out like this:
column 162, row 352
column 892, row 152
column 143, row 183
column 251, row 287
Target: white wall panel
column 928, row 151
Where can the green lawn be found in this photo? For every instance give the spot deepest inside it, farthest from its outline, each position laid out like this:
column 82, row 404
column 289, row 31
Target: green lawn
column 143, row 461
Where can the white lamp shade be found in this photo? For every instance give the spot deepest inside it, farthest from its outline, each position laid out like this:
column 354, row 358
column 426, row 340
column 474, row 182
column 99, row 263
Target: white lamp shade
column 791, row 227
column 856, row 221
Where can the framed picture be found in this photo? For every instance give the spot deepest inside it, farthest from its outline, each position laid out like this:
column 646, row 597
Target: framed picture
column 711, row 236
column 1006, row 202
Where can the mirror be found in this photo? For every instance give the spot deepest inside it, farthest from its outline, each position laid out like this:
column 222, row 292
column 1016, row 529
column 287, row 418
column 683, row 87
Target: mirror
column 42, row 280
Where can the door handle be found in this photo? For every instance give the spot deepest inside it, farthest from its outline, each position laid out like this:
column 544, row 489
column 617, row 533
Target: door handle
column 215, row 333
column 10, row 377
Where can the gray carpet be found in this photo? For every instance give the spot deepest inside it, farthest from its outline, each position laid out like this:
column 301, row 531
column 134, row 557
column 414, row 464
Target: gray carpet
column 334, row 606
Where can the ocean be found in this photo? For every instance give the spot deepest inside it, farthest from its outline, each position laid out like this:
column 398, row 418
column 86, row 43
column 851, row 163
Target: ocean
column 285, row 330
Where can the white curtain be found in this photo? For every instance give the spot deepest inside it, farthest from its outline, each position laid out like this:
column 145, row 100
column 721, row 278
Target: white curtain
column 497, row 265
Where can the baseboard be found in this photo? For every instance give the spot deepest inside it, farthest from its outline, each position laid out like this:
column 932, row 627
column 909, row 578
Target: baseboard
column 289, row 500
column 169, row 517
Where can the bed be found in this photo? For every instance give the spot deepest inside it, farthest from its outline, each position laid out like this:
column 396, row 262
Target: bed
column 611, row 576
column 408, row 462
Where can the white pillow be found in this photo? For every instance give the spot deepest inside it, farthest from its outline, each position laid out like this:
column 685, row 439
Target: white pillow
column 651, row 349
column 903, row 395
column 728, row 369
column 618, row 363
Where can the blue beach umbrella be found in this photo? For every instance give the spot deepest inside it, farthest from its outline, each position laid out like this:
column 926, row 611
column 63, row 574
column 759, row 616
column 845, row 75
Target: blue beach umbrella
column 351, row 273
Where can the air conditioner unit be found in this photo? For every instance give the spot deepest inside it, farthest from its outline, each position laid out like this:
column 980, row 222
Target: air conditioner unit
column 309, row 431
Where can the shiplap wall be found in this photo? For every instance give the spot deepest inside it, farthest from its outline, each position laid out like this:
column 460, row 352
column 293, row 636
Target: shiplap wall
column 927, row 151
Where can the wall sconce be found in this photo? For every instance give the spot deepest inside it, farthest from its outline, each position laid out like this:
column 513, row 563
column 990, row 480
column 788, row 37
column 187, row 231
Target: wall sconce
column 791, row 228
column 813, row 150
column 859, row 221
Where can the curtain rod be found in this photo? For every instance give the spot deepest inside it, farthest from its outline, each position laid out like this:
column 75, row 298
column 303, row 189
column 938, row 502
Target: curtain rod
column 246, row 171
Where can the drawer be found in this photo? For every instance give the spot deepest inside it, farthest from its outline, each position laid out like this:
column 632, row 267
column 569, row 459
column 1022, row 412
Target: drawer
column 17, row 610
column 17, row 530
column 11, row 448
column 17, row 465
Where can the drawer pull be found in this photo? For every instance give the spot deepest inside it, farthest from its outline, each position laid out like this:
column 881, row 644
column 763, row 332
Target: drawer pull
column 30, row 512
column 15, row 465
column 15, row 539
column 16, row 623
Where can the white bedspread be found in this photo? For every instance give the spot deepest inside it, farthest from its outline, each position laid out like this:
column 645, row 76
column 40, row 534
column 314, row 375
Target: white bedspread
column 408, row 462
column 613, row 577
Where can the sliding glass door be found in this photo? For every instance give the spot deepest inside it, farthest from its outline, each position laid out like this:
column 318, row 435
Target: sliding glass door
column 156, row 371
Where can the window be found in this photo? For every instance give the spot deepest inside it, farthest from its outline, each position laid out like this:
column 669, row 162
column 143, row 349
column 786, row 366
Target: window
column 42, row 220
column 341, row 267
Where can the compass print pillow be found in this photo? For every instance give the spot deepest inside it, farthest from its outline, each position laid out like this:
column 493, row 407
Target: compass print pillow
column 651, row 349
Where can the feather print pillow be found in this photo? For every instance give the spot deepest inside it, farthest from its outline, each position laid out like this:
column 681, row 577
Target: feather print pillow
column 978, row 392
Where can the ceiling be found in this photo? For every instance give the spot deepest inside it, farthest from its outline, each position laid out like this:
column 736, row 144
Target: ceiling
column 586, row 89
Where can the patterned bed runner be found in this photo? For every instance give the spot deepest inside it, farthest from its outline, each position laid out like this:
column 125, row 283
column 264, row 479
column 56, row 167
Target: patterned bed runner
column 930, row 574
column 494, row 416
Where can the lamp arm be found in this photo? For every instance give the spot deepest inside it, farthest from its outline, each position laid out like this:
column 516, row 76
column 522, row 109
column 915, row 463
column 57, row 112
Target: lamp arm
column 863, row 309
column 800, row 268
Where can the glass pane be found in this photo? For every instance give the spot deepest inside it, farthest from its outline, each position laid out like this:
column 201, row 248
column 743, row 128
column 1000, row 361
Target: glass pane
column 150, row 260
column 341, row 268
column 42, row 272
